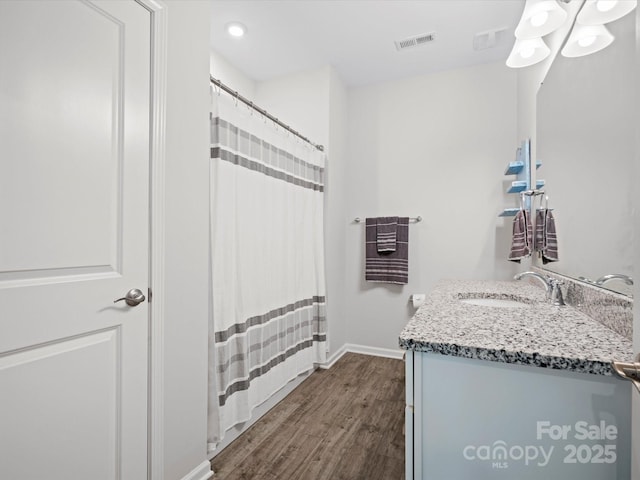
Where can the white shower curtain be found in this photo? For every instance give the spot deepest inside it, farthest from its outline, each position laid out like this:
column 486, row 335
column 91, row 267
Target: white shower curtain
column 267, row 262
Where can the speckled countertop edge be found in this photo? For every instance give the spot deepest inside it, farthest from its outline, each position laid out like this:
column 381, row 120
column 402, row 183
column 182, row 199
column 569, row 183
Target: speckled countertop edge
column 538, row 334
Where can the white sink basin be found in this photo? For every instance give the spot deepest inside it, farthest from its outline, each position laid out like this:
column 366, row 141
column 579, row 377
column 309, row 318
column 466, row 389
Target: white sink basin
column 494, row 302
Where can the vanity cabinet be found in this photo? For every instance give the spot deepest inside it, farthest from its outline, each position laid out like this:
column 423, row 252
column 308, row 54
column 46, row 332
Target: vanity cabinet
column 475, row 419
column 522, row 393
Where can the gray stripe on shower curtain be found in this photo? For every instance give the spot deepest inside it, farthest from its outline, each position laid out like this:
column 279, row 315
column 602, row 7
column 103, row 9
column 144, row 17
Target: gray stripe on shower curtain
column 259, row 155
column 276, row 339
column 222, row 336
column 289, row 332
column 240, row 385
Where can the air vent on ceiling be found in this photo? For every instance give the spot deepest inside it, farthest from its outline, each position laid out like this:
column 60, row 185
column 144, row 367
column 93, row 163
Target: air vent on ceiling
column 415, row 41
column 489, row 38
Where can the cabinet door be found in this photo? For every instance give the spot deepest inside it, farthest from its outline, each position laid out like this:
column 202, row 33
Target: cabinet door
column 488, row 420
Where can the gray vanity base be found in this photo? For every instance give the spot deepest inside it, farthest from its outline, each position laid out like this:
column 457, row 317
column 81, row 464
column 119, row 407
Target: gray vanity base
column 485, row 420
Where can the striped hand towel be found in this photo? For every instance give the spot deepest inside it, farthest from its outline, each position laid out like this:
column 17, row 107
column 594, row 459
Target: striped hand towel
column 538, row 243
column 387, row 267
column 386, row 234
column 522, row 239
column 546, row 242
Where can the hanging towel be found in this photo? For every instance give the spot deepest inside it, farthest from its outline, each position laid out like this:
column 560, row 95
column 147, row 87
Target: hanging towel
column 386, row 234
column 538, row 243
column 387, row 267
column 522, row 239
column 546, row 241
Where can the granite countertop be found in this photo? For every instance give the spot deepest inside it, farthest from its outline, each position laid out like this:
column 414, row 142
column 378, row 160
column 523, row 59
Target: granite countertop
column 538, row 334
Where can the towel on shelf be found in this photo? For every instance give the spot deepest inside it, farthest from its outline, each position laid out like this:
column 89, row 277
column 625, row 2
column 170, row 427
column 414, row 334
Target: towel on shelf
column 387, row 267
column 546, row 241
column 522, row 239
column 386, row 234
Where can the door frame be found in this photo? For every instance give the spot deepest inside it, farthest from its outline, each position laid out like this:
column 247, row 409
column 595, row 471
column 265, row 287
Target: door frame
column 635, row 400
column 155, row 367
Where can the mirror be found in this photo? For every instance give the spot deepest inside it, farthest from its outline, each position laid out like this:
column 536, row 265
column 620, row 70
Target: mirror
column 585, row 140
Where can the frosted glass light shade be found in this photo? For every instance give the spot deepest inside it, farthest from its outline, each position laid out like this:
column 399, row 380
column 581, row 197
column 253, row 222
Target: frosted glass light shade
column 587, row 39
column 236, row 29
column 539, row 18
column 527, row 52
column 597, row 12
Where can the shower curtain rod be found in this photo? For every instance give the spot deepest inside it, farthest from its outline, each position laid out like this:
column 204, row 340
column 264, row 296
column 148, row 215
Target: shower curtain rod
column 250, row 104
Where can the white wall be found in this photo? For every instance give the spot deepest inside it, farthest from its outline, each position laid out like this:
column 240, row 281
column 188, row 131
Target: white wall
column 300, row 100
column 436, row 146
column 223, row 70
column 186, row 253
column 336, row 214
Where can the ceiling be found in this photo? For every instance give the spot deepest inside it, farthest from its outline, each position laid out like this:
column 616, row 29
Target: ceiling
column 357, row 37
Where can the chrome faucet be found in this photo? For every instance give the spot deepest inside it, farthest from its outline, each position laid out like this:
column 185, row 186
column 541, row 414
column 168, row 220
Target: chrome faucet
column 551, row 286
column 556, row 292
column 625, row 278
column 544, row 280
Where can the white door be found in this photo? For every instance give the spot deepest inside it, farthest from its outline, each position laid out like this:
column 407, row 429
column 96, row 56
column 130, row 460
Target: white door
column 74, row 221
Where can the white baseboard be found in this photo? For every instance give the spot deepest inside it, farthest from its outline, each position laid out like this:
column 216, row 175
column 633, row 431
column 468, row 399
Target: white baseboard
column 201, row 472
column 333, row 358
column 364, row 350
column 396, row 353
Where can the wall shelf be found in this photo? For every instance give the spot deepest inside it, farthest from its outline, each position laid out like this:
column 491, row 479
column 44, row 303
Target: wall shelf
column 509, row 212
column 514, row 168
column 517, row 186
column 521, row 168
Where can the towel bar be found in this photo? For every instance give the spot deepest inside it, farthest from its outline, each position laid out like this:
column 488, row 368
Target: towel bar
column 532, row 193
column 411, row 219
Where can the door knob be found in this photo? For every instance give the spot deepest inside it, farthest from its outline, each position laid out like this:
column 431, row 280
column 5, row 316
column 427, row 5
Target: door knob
column 133, row 297
column 628, row 371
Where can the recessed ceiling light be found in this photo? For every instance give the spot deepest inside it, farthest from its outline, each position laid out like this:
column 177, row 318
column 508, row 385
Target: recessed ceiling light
column 236, row 29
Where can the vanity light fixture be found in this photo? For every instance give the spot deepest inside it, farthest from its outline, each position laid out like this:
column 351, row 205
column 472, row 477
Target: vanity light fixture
column 539, row 18
column 586, row 39
column 599, row 12
column 527, row 52
column 236, row 29
column 588, row 33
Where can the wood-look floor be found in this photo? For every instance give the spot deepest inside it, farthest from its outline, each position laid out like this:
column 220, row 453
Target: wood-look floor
column 344, row 423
